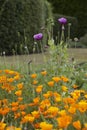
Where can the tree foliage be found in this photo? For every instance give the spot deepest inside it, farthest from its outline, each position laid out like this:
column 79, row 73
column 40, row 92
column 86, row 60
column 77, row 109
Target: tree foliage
column 19, row 21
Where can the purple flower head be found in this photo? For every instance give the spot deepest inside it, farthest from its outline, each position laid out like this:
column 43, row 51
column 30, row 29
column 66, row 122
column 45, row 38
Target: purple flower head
column 62, row 20
column 38, row 36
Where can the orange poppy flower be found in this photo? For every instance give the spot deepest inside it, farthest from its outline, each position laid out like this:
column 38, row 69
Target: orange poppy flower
column 51, row 83
column 33, row 76
column 56, row 79
column 53, row 110
column 65, row 79
column 44, row 73
column 4, row 111
column 14, row 109
column 37, row 125
column 20, row 99
column 77, row 125
column 64, row 88
column 22, row 106
column 82, row 106
column 46, row 126
column 13, row 104
column 64, row 121
column 34, row 82
column 35, row 114
column 75, row 86
column 39, row 88
column 17, row 115
column 72, row 110
column 28, row 118
column 2, row 126
column 18, row 93
column 20, row 85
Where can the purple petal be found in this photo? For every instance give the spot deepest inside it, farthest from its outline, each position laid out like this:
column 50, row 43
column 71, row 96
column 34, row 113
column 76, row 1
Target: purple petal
column 38, row 36
column 62, row 20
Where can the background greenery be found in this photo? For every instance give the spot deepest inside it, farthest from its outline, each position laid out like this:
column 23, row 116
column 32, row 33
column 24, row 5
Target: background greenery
column 74, row 8
column 19, row 21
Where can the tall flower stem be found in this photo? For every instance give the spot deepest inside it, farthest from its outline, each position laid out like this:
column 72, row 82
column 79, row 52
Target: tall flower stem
column 69, row 25
column 42, row 51
column 62, row 33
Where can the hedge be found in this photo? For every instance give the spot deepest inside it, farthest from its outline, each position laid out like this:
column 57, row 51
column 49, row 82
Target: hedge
column 19, row 21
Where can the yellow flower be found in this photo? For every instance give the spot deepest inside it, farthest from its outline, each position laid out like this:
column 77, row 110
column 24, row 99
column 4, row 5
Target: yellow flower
column 44, row 73
column 17, row 77
column 75, row 86
column 10, row 128
column 22, row 107
column 85, row 95
column 2, row 125
column 82, row 106
column 48, row 94
column 39, row 88
column 53, row 110
column 65, row 79
column 10, row 80
column 18, row 93
column 17, row 115
column 75, row 94
column 64, row 121
column 35, row 101
column 46, row 126
column 34, row 82
column 14, row 109
column 68, row 100
column 62, row 113
column 4, row 111
column 3, row 79
column 35, row 114
column 20, row 99
column 51, row 83
column 57, row 97
column 18, row 128
column 64, row 88
column 56, row 79
column 28, row 118
column 45, row 103
column 85, row 124
column 20, row 85
column 13, row 104
column 77, row 125
column 72, row 110
column 13, row 128
column 33, row 76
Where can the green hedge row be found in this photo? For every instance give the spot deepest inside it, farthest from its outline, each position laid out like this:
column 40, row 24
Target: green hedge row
column 19, row 21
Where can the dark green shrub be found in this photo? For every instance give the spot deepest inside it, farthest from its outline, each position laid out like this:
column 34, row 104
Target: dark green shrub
column 19, row 21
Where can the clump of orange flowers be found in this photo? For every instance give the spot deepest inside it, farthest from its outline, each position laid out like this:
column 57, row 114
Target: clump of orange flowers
column 43, row 102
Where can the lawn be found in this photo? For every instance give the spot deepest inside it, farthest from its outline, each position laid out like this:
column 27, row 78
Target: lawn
column 21, row 62
column 78, row 54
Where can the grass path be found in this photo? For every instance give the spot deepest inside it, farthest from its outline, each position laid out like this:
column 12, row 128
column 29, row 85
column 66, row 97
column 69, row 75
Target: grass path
column 80, row 55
